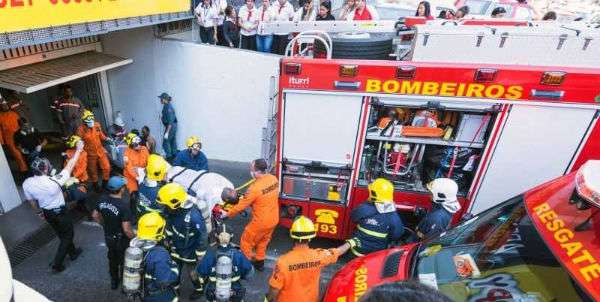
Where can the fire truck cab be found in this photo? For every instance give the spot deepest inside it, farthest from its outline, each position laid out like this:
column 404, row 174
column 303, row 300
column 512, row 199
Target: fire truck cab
column 469, row 102
column 542, row 245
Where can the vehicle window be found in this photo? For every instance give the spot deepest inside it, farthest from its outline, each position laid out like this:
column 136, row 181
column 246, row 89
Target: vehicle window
column 495, row 254
column 478, row 7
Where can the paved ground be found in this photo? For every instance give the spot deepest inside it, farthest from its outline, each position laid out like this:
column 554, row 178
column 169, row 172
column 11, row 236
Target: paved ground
column 87, row 278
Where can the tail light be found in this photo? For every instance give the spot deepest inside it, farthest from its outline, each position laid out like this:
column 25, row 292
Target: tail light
column 348, row 71
column 485, row 75
column 406, row 72
column 292, row 68
column 553, row 78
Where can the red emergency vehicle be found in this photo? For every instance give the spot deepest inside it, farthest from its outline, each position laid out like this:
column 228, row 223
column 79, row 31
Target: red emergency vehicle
column 543, row 245
column 496, row 129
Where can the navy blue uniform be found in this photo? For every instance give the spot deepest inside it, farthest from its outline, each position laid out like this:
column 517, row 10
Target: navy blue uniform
column 187, row 231
column 185, row 159
column 374, row 230
column 160, row 275
column 168, row 118
column 242, row 269
column 435, row 222
column 147, row 200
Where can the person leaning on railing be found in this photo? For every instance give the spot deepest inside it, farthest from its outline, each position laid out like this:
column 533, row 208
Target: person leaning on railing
column 283, row 11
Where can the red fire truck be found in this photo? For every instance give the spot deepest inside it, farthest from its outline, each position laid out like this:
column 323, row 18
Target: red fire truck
column 542, row 245
column 496, row 129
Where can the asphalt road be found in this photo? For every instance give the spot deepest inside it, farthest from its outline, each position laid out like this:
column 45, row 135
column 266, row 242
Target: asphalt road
column 87, row 279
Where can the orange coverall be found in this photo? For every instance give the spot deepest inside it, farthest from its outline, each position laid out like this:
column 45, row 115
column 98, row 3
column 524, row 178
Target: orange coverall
column 80, row 170
column 297, row 273
column 96, row 155
column 134, row 159
column 9, row 124
column 263, row 196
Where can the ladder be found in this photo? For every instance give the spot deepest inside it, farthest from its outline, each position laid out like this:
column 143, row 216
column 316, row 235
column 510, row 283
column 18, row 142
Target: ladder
column 269, row 132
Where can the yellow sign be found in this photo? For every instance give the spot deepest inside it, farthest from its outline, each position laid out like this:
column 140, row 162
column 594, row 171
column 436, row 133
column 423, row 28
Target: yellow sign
column 17, row 15
column 325, row 222
column 470, row 90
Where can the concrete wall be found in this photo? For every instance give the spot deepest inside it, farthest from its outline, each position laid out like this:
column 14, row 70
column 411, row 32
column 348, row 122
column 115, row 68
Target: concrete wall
column 219, row 94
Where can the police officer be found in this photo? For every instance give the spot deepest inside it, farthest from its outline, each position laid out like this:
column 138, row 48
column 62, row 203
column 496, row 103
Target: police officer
column 445, row 205
column 45, row 192
column 377, row 221
column 156, row 170
column 115, row 217
column 160, row 271
column 296, row 274
column 186, row 229
column 169, row 120
column 192, row 158
column 224, row 258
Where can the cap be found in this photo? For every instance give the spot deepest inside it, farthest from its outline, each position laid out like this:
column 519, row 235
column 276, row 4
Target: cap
column 115, row 183
column 164, row 96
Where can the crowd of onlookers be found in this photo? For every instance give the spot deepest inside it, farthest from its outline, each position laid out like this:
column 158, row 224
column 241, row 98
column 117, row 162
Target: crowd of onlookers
column 221, row 24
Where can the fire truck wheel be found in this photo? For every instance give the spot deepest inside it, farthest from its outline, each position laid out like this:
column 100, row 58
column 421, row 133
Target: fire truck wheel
column 375, row 47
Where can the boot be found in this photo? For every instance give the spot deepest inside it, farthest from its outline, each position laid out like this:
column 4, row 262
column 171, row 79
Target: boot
column 97, row 187
column 259, row 265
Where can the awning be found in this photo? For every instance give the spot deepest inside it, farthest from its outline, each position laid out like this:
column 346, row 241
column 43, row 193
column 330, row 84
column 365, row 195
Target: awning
column 34, row 77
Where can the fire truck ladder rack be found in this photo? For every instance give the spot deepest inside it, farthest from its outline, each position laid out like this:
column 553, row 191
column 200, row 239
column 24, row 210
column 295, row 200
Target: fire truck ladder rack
column 269, row 147
column 266, row 28
column 302, row 44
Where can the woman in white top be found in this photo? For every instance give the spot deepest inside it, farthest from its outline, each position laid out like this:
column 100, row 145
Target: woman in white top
column 207, row 15
column 342, row 12
column 248, row 22
column 282, row 11
column 265, row 14
column 306, row 12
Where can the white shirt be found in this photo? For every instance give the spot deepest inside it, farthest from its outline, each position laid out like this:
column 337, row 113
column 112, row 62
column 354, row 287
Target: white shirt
column 265, row 15
column 220, row 6
column 46, row 190
column 371, row 9
column 248, row 19
column 282, row 13
column 207, row 16
column 312, row 16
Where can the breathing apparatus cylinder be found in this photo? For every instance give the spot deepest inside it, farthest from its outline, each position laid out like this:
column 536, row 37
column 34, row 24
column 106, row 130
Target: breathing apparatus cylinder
column 132, row 270
column 224, row 273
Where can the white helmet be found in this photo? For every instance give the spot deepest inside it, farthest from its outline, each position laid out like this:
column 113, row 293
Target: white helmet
column 119, row 119
column 443, row 190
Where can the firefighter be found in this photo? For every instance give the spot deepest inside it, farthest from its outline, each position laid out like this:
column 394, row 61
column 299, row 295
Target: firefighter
column 91, row 133
column 9, row 125
column 77, row 190
column 156, row 171
column 135, row 159
column 29, row 140
column 186, row 229
column 445, row 205
column 262, row 196
column 223, row 267
column 113, row 215
column 192, row 158
column 160, row 271
column 17, row 105
column 169, row 120
column 296, row 274
column 68, row 109
column 377, row 221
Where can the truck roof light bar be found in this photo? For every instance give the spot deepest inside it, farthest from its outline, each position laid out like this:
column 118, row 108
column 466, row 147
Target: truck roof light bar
column 348, row 71
column 485, row 75
column 553, row 78
column 292, row 68
column 406, row 72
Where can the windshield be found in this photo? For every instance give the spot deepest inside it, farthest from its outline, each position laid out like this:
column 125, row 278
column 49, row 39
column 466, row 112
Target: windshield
column 495, row 256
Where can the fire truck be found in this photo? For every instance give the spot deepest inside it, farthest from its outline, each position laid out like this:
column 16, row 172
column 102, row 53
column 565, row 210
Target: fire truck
column 538, row 246
column 477, row 103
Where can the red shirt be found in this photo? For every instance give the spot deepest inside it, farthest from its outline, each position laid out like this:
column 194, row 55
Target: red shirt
column 366, row 15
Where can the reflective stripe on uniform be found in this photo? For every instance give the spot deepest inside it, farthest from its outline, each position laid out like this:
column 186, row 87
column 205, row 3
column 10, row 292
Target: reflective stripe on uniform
column 233, row 279
column 200, row 253
column 175, row 255
column 372, row 233
column 355, row 252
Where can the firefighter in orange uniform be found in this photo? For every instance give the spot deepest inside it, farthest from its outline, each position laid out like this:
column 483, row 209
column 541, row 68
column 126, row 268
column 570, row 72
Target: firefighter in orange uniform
column 135, row 158
column 9, row 124
column 77, row 191
column 296, row 274
column 92, row 136
column 263, row 196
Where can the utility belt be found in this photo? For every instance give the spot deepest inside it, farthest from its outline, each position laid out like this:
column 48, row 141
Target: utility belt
column 54, row 211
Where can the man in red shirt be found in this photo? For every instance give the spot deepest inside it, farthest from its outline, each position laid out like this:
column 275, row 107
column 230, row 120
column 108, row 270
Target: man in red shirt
column 363, row 12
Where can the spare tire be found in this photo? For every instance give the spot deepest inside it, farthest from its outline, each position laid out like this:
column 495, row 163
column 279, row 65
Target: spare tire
column 360, row 46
